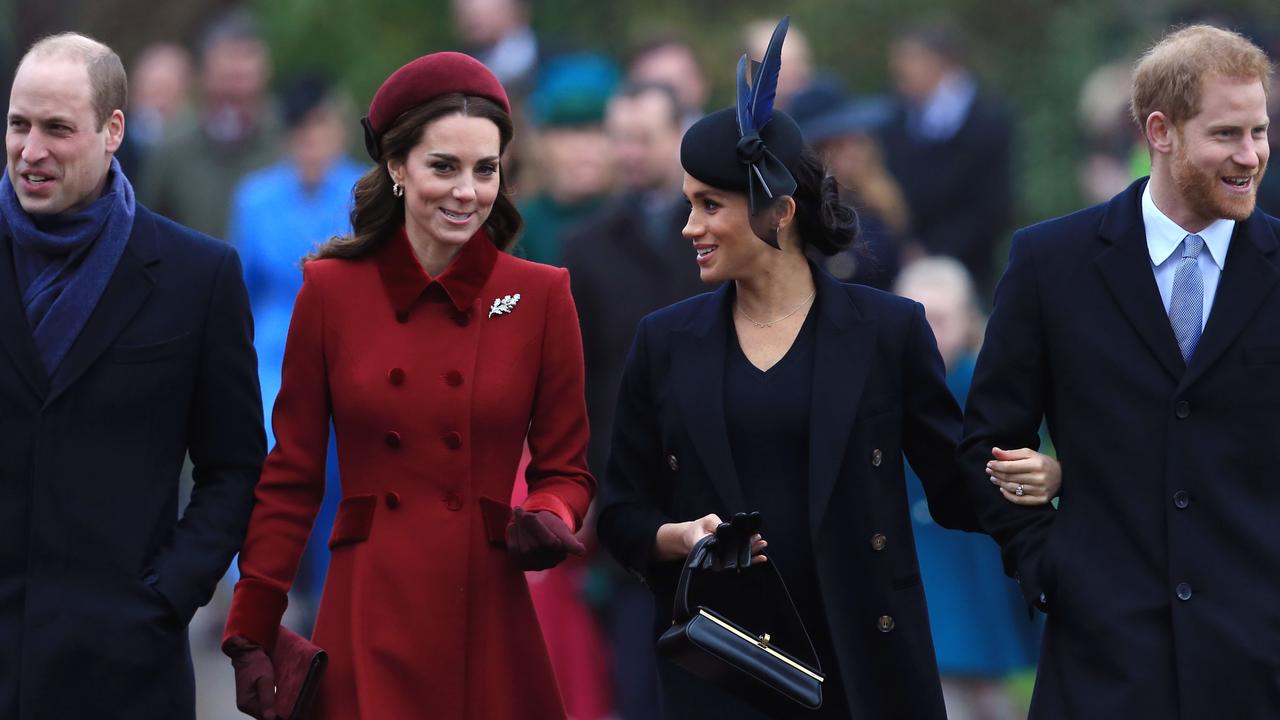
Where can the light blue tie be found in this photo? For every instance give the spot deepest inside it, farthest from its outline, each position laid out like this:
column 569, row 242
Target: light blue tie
column 1186, row 306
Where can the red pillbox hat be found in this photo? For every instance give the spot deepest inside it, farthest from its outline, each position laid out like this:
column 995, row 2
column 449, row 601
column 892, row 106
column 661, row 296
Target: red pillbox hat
column 430, row 76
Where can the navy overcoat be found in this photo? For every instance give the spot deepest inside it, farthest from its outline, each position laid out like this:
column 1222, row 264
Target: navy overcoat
column 1161, row 570
column 98, row 575
column 879, row 393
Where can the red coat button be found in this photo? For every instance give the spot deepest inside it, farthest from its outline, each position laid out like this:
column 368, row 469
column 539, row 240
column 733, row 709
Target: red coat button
column 402, row 316
column 453, row 502
column 393, row 500
column 396, row 376
column 453, row 440
column 453, row 378
column 393, row 439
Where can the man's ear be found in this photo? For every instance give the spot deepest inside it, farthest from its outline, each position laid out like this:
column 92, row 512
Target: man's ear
column 1161, row 133
column 115, row 130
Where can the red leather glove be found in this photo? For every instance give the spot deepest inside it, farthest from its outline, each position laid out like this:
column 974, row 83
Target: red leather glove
column 539, row 540
column 255, row 678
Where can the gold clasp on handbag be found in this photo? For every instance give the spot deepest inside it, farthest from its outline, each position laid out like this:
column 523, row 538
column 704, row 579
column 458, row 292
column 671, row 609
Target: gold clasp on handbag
column 763, row 641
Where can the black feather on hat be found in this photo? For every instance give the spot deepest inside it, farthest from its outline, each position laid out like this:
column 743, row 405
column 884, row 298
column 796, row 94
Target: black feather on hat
column 750, row 147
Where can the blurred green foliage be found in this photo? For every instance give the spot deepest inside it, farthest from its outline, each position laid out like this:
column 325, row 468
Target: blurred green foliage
column 1037, row 53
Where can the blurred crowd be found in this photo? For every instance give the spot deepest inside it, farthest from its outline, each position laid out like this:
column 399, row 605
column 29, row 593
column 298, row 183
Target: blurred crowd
column 219, row 143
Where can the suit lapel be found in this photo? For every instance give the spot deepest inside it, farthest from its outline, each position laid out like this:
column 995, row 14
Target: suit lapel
column 842, row 358
column 1247, row 278
column 15, row 332
column 126, row 291
column 698, row 353
column 1125, row 266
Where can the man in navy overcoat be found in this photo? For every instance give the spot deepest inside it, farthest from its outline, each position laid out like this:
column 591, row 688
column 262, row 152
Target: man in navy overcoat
column 125, row 343
column 1147, row 331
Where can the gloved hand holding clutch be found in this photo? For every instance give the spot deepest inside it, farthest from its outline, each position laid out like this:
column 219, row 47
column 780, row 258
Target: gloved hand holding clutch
column 255, row 678
column 539, row 540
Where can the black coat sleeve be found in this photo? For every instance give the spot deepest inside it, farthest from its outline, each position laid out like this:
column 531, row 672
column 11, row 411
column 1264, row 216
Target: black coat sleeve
column 227, row 446
column 630, row 514
column 1005, row 408
column 931, row 428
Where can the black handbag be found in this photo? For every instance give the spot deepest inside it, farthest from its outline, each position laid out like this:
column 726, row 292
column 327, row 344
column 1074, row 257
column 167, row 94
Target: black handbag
column 746, row 664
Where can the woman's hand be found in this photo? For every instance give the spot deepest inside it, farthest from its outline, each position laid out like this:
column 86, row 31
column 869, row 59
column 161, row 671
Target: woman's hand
column 540, row 540
column 1025, row 476
column 675, row 541
column 255, row 678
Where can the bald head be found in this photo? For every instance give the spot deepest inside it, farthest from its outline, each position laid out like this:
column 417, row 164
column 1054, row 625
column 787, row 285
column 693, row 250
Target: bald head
column 107, row 82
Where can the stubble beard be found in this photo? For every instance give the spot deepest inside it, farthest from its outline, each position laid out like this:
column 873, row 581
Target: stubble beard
column 1203, row 192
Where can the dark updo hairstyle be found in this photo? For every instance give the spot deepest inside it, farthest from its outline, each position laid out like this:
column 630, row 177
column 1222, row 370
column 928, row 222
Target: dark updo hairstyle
column 378, row 213
column 824, row 221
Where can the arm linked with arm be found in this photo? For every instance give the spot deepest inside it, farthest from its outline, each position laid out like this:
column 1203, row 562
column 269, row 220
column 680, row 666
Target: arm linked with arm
column 1004, row 409
column 931, row 429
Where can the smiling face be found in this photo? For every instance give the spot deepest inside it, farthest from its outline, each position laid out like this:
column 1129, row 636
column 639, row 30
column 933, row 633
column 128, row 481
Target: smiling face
column 450, row 179
column 58, row 157
column 1219, row 155
column 720, row 231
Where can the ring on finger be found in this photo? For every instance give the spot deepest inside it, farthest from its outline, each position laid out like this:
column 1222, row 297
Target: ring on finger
column 1020, row 490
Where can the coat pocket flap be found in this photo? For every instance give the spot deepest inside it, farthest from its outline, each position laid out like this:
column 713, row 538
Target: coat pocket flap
column 149, row 351
column 354, row 519
column 496, row 516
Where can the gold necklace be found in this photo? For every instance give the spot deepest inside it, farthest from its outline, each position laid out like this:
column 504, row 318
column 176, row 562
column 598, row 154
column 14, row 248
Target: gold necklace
column 775, row 321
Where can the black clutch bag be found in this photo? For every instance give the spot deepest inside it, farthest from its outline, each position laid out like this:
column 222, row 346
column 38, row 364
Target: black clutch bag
column 747, row 664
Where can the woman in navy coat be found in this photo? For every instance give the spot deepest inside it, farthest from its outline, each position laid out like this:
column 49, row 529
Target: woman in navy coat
column 792, row 394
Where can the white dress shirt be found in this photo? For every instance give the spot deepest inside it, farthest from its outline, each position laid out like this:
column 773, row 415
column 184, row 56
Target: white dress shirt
column 1164, row 243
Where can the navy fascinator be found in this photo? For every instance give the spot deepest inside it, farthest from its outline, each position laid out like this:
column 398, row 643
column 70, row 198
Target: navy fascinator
column 750, row 147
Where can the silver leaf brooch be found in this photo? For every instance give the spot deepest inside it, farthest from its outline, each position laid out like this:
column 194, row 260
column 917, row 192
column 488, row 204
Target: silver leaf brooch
column 504, row 305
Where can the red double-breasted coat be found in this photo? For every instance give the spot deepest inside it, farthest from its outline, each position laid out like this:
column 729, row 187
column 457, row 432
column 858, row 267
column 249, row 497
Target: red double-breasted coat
column 432, row 391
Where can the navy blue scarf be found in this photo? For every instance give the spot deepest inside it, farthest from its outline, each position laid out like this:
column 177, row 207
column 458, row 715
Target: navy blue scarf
column 64, row 261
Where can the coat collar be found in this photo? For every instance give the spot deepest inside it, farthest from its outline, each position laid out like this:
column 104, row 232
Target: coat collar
column 16, row 336
column 123, row 296
column 405, row 281
column 1125, row 265
column 846, row 342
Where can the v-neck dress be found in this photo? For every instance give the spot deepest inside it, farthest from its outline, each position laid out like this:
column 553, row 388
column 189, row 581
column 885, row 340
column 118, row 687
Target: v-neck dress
column 767, row 417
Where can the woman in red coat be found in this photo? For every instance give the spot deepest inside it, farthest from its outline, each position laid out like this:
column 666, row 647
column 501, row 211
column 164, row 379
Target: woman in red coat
column 435, row 355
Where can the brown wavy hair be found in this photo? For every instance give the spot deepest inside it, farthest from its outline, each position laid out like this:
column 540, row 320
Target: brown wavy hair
column 378, row 213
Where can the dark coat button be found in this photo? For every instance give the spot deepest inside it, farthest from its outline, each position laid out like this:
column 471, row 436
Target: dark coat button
column 453, row 502
column 462, row 318
column 673, row 462
column 393, row 439
column 877, row 457
column 1182, row 499
column 878, row 541
column 1184, row 591
column 885, row 623
column 453, row 440
column 453, row 378
column 396, row 376
column 393, row 500
column 1182, row 410
column 402, row 316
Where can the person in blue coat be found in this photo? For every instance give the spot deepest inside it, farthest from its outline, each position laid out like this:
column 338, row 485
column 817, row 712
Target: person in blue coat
column 125, row 344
